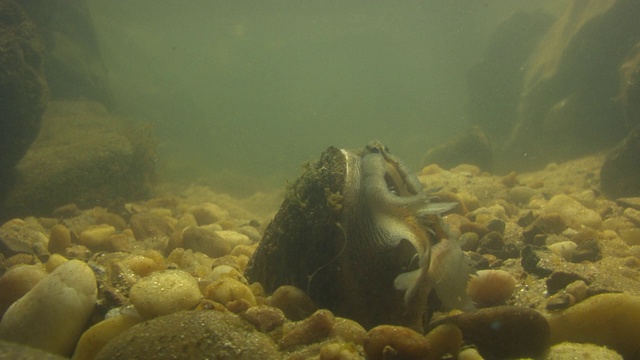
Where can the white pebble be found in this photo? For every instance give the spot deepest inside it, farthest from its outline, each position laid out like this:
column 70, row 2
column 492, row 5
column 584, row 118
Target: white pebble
column 52, row 315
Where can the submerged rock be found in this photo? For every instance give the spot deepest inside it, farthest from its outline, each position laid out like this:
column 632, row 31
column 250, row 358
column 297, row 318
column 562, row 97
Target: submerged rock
column 191, row 335
column 52, row 315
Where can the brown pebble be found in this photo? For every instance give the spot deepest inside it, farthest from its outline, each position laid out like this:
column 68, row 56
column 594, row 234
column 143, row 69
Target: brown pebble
column 479, row 229
column 631, row 202
column 295, row 303
column 545, row 224
column 312, row 329
column 66, row 211
column 264, row 318
column 558, row 280
column 395, row 342
column 148, row 225
column 59, row 239
column 510, row 180
column 503, row 331
column 587, row 251
column 444, row 339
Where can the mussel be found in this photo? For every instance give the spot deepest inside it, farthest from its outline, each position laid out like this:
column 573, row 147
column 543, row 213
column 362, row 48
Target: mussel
column 361, row 236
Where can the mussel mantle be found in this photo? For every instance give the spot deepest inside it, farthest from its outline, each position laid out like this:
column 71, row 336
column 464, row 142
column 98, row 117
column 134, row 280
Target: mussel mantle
column 357, row 232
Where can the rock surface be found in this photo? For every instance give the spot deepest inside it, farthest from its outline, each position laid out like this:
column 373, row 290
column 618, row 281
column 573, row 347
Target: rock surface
column 194, row 335
column 165, row 292
column 52, row 315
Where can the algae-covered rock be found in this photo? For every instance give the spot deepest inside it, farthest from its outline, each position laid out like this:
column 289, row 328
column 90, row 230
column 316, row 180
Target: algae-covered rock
column 191, row 335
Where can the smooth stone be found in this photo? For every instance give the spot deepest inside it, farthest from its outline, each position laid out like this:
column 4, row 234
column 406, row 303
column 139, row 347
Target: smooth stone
column 574, row 213
column 194, row 335
column 165, row 292
column 588, row 250
column 52, row 315
column 234, row 238
column 390, row 342
column 147, row 225
column 567, row 350
column 611, row 320
column 13, row 351
column 97, row 336
column 227, row 289
column 560, row 279
column 563, row 249
column 208, row 213
column 545, row 224
column 96, row 236
column 294, row 303
column 630, row 236
column 502, row 331
column 16, row 282
column 59, row 239
column 205, row 240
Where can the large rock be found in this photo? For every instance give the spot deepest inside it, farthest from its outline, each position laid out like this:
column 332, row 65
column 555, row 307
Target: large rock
column 566, row 108
column 52, row 315
column 191, row 335
column 83, row 156
column 23, row 88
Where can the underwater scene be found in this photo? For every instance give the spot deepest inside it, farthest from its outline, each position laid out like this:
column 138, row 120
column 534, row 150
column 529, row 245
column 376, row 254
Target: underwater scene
column 334, row 180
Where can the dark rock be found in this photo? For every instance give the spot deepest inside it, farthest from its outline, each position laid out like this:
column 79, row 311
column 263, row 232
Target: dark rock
column 545, row 224
column 469, row 241
column 566, row 108
column 492, row 243
column 526, row 219
column 74, row 67
column 207, row 334
column 83, row 156
column 559, row 301
column 23, row 88
column 502, row 332
column 620, row 172
column 588, row 250
column 530, row 262
column 498, row 225
column 509, row 251
column 629, row 202
column 478, row 262
column 560, row 279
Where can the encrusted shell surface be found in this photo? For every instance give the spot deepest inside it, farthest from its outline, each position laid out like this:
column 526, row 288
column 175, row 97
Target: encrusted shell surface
column 355, row 232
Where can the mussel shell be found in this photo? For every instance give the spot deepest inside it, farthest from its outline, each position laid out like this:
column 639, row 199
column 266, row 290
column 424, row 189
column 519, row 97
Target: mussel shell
column 345, row 231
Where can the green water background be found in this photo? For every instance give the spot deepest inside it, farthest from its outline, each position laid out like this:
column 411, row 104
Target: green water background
column 241, row 93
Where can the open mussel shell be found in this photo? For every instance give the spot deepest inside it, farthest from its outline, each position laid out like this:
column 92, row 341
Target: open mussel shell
column 355, row 232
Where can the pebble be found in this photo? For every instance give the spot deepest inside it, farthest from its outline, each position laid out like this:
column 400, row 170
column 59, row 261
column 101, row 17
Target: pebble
column 567, row 350
column 16, row 282
column 97, row 336
column 632, row 202
column 264, row 318
column 59, row 239
column 574, row 213
column 226, row 290
column 147, row 225
column 630, row 236
column 234, row 238
column 312, row 329
column 611, row 320
column 545, row 224
column 16, row 238
column 560, row 280
column 208, row 213
column 295, row 303
column 521, row 194
column 491, row 287
column 206, row 241
column 165, row 292
column 9, row 350
column 206, row 334
column 390, row 342
column 52, row 315
column 588, row 250
column 563, row 249
column 530, row 262
column 502, row 331
column 97, row 236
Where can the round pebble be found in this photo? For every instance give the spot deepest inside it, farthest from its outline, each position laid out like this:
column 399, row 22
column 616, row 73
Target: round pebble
column 97, row 336
column 563, row 249
column 96, row 237
column 52, row 315
column 165, row 292
column 389, row 342
column 59, row 239
column 226, row 290
column 16, row 282
column 574, row 213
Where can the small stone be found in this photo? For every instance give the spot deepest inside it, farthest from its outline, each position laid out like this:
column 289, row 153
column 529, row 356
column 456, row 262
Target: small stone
column 234, row 238
column 563, row 249
column 97, row 336
column 491, row 287
column 16, row 237
column 226, row 290
column 479, row 229
column 206, row 241
column 611, row 320
column 567, row 350
column 96, row 237
column 395, row 342
column 573, row 212
column 208, row 213
column 203, row 334
column 146, row 225
column 630, row 236
column 16, row 282
column 560, row 301
column 469, row 353
column 578, row 289
column 264, row 318
column 52, row 315
column 59, row 239
column 587, row 251
column 526, row 219
column 54, row 262
column 295, row 303
column 510, row 180
column 545, row 224
column 498, row 225
column 530, row 262
column 503, row 331
column 469, row 241
column 521, row 194
column 444, row 339
column 165, row 292
column 312, row 329
column 492, row 243
column 633, row 215
column 560, row 280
